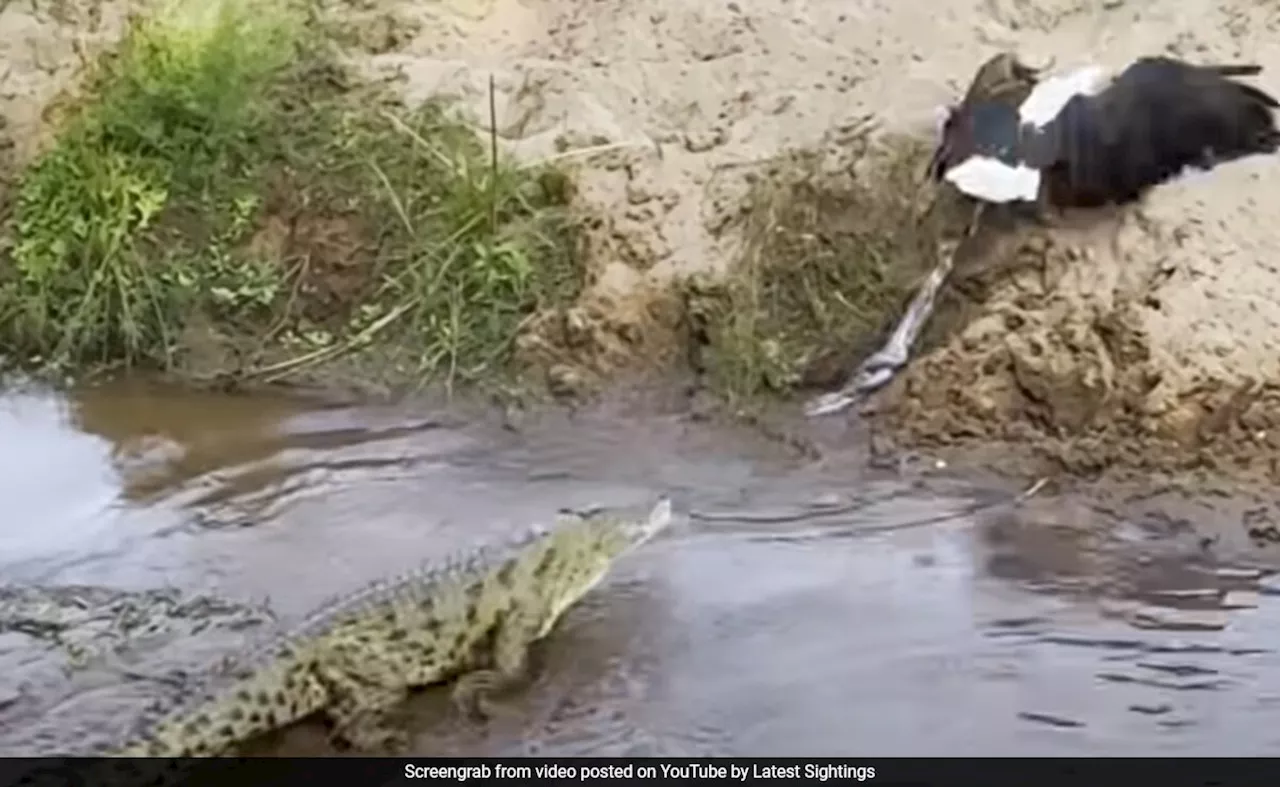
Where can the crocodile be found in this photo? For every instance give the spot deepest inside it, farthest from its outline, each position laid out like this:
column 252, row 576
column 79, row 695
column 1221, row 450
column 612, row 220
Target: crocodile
column 470, row 618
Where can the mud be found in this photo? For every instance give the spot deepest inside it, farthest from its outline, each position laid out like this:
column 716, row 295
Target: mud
column 1116, row 346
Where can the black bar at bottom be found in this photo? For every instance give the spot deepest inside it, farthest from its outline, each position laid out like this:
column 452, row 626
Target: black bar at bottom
column 380, row 771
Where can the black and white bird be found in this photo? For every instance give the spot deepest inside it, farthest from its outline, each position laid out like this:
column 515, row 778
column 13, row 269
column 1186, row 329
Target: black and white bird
column 1088, row 139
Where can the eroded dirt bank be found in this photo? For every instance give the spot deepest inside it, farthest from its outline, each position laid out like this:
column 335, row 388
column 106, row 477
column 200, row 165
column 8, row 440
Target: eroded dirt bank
column 1143, row 339
column 1141, row 342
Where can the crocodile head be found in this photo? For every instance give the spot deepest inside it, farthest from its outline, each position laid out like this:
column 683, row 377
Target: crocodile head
column 577, row 555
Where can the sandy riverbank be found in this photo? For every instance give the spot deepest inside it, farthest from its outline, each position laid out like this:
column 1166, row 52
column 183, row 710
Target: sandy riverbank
column 1132, row 342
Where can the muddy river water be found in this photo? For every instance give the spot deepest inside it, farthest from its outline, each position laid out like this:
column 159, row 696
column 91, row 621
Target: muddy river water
column 799, row 607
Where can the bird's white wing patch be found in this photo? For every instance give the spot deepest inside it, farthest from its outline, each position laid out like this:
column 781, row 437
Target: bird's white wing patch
column 992, row 180
column 1049, row 97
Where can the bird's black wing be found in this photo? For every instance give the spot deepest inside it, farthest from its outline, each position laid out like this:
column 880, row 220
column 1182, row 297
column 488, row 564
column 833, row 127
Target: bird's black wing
column 1083, row 152
column 1158, row 117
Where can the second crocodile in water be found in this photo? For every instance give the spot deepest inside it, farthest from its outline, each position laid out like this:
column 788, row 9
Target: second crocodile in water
column 472, row 618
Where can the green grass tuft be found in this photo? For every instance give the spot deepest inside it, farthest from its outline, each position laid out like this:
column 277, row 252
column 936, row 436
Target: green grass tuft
column 173, row 116
column 222, row 168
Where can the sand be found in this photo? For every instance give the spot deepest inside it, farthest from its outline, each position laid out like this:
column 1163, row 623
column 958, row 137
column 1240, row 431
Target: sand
column 1127, row 343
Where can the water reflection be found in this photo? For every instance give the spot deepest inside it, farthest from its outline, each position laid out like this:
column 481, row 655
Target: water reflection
column 59, row 483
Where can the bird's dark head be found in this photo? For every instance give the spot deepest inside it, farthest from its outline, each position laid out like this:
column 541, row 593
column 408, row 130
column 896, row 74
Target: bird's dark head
column 985, row 121
column 1003, row 78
